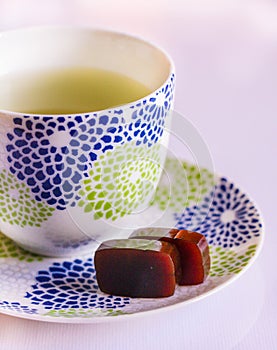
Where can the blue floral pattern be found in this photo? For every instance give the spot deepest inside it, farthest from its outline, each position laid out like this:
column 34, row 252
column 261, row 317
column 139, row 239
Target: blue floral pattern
column 227, row 217
column 52, row 154
column 71, row 285
column 17, row 307
column 148, row 118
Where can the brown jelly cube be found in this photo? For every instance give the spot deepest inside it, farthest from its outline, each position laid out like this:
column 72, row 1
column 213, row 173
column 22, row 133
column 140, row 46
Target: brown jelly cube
column 193, row 249
column 194, row 256
column 136, row 268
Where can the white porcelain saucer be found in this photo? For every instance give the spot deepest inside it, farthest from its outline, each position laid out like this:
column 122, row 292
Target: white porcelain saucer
column 65, row 289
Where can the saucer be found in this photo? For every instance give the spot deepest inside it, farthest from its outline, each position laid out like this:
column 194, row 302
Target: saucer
column 65, row 289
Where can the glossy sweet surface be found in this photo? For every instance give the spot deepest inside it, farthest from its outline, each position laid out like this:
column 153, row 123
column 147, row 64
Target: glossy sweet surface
column 136, row 268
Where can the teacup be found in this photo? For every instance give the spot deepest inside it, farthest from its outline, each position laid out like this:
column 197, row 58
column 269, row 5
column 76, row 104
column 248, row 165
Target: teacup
column 70, row 181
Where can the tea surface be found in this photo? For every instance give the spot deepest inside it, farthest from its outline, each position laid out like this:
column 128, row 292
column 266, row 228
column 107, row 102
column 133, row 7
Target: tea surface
column 67, row 91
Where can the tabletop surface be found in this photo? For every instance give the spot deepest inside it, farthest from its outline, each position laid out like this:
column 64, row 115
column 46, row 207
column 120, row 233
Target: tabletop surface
column 225, row 55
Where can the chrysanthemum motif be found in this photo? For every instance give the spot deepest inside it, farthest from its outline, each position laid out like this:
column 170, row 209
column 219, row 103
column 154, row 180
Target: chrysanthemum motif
column 120, row 181
column 17, row 307
column 148, row 117
column 8, row 249
column 52, row 154
column 228, row 261
column 71, row 285
column 182, row 184
column 17, row 206
column 227, row 217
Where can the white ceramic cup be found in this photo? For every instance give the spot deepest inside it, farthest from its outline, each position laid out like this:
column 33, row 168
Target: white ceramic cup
column 68, row 182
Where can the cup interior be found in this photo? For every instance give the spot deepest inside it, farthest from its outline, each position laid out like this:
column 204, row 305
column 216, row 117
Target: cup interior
column 62, row 47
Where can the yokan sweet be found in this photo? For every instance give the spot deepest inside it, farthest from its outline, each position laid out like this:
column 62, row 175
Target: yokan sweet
column 193, row 249
column 137, row 268
column 194, row 256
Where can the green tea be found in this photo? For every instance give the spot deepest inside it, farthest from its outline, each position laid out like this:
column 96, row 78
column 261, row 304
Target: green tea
column 67, row 91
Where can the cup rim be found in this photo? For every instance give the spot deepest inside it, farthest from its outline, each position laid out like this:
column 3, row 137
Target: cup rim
column 100, row 30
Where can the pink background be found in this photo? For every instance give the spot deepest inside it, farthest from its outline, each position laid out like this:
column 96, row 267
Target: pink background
column 226, row 60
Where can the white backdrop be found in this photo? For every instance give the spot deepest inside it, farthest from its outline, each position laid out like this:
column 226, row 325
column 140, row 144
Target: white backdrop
column 225, row 54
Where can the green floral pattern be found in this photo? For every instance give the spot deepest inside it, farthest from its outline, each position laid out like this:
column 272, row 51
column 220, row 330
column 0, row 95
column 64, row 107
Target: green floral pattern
column 17, row 207
column 183, row 185
column 228, row 261
column 8, row 249
column 83, row 313
column 120, row 181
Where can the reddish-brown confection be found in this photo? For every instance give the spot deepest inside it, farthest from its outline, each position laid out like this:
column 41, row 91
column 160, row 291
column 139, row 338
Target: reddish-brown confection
column 141, row 268
column 194, row 255
column 193, row 249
